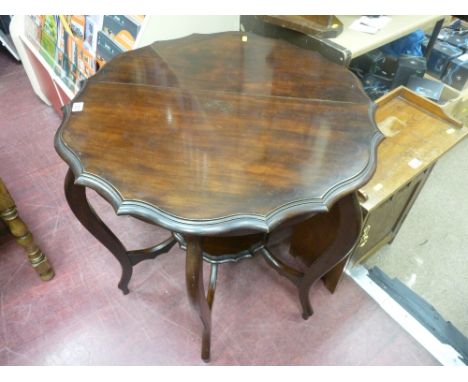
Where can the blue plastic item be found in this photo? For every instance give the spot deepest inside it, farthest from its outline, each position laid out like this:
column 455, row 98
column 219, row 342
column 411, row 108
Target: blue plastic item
column 408, row 45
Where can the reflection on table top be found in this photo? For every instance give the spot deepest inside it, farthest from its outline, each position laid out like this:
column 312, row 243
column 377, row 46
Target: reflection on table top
column 216, row 128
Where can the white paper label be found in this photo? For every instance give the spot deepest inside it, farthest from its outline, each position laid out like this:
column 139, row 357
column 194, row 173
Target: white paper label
column 414, row 163
column 450, row 131
column 370, row 25
column 77, row 107
column 378, row 187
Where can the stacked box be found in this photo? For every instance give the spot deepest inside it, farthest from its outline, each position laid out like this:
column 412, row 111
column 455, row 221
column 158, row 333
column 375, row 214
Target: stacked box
column 408, row 66
column 456, row 74
column 441, row 55
column 455, row 34
column 460, row 40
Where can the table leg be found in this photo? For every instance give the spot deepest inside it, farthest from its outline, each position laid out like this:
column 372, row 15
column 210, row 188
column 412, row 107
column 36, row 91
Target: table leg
column 349, row 229
column 196, row 289
column 16, row 226
column 76, row 198
column 24, row 238
column 323, row 243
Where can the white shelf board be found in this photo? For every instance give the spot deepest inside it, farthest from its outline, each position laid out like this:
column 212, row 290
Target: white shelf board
column 359, row 43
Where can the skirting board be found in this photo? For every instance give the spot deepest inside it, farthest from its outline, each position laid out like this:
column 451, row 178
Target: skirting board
column 444, row 353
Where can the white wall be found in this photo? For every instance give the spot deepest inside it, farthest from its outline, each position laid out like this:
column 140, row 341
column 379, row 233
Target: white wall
column 170, row 27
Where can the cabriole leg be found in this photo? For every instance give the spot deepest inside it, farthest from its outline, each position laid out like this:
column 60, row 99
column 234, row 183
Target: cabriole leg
column 76, row 198
column 349, row 229
column 196, row 290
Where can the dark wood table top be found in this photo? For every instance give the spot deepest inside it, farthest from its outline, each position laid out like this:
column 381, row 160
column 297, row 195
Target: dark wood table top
column 211, row 134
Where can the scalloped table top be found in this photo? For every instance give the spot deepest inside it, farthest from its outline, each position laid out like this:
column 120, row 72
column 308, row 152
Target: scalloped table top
column 221, row 132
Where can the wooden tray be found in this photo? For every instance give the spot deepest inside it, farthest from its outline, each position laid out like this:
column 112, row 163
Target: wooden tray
column 318, row 25
column 418, row 132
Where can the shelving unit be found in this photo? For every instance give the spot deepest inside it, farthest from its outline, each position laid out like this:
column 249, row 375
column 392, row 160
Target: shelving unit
column 359, row 43
column 349, row 43
column 36, row 50
column 50, row 87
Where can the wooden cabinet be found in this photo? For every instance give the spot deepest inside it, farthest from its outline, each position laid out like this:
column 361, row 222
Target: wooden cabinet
column 418, row 133
column 381, row 224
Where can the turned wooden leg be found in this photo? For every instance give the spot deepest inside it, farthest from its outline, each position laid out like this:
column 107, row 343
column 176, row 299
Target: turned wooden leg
column 196, row 290
column 19, row 230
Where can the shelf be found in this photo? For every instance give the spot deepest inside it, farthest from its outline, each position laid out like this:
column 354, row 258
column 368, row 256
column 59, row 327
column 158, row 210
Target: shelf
column 358, row 43
column 51, row 88
column 56, row 78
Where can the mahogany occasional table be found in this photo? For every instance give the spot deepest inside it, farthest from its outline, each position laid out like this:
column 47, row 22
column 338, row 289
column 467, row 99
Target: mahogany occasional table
column 230, row 141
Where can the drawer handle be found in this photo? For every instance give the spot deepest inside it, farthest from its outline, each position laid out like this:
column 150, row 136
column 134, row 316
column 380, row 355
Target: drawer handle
column 365, row 236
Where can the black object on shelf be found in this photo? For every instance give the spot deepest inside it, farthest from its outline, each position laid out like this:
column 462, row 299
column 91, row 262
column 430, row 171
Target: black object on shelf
column 456, row 34
column 387, row 67
column 456, row 74
column 459, row 39
column 367, row 63
column 408, row 66
column 440, row 56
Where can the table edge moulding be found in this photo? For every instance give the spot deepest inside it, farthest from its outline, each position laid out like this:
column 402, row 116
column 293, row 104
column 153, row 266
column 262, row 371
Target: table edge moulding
column 240, row 223
column 322, row 247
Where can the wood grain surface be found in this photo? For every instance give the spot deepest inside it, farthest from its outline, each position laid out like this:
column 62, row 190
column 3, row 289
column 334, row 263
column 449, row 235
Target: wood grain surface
column 222, row 132
column 418, row 133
